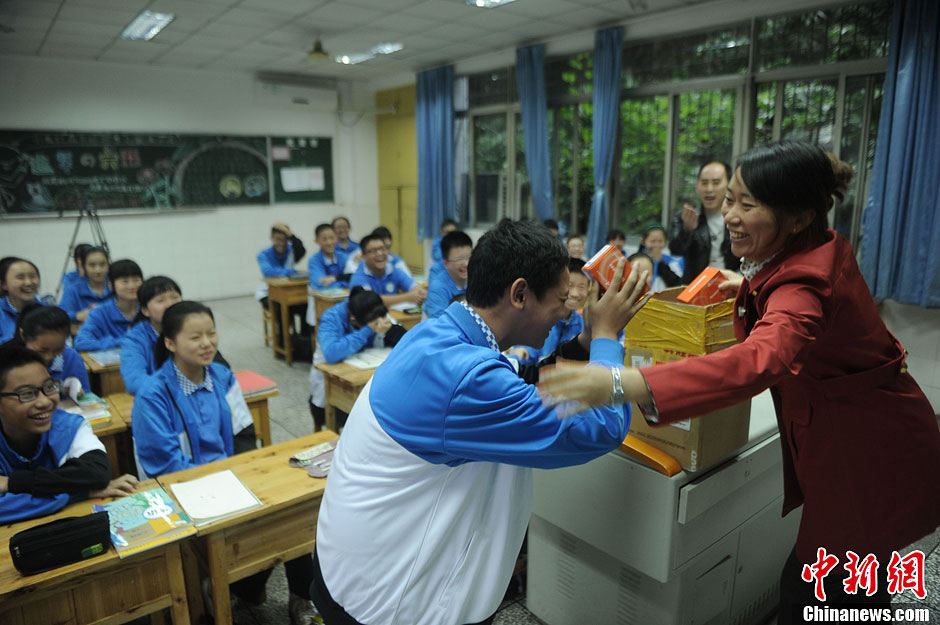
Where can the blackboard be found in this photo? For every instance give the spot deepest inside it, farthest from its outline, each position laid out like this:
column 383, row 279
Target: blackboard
column 302, row 169
column 43, row 172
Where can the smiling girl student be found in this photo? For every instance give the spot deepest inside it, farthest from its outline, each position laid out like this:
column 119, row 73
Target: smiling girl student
column 107, row 324
column 83, row 294
column 44, row 329
column 19, row 285
column 191, row 411
column 155, row 295
column 48, row 457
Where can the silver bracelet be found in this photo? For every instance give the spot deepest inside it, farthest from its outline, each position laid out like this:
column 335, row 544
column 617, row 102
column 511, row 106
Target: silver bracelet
column 616, row 396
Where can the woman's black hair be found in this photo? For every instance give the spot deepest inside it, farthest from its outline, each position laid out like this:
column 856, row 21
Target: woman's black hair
column 151, row 288
column 513, row 250
column 94, row 249
column 123, row 269
column 36, row 319
column 78, row 252
column 173, row 319
column 646, row 232
column 365, row 306
column 14, row 357
column 791, row 177
column 7, row 261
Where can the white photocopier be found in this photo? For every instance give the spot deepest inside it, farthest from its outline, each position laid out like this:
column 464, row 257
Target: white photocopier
column 615, row 542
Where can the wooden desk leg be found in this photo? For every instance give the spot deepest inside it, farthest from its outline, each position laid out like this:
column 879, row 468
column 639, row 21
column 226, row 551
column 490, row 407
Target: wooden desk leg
column 273, row 329
column 192, row 576
column 330, row 410
column 285, row 332
column 218, row 572
column 262, row 419
column 179, row 609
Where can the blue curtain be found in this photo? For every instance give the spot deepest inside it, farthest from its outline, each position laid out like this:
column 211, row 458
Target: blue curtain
column 530, row 78
column 901, row 246
column 608, row 51
column 434, row 118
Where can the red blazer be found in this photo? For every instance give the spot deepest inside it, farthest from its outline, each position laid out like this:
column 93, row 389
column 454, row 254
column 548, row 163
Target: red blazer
column 861, row 447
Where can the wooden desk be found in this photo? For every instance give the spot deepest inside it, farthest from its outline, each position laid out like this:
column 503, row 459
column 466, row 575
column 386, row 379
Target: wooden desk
column 322, row 302
column 103, row 589
column 123, row 404
column 115, row 438
column 407, row 321
column 343, row 383
column 105, row 379
column 282, row 529
column 285, row 292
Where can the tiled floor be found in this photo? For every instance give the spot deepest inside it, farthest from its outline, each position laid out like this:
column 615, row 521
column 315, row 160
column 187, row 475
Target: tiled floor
column 238, row 321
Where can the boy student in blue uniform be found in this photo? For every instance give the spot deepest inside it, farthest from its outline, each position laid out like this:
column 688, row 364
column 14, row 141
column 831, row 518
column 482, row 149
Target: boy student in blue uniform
column 191, row 412
column 82, row 295
column 456, row 247
column 48, row 457
column 325, row 268
column 396, row 261
column 343, row 243
column 448, row 225
column 44, row 329
column 19, row 285
column 79, row 272
column 279, row 261
column 375, row 273
column 107, row 324
column 345, row 329
column 430, row 488
column 155, row 295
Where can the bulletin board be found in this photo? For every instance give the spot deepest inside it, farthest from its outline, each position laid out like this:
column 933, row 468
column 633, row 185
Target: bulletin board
column 302, row 169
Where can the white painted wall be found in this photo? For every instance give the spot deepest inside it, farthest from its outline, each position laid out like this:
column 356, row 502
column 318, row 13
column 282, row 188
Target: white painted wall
column 210, row 252
column 918, row 329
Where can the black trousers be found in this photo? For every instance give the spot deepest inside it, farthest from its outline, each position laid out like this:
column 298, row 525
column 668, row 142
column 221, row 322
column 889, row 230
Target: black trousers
column 299, row 577
column 796, row 595
column 332, row 612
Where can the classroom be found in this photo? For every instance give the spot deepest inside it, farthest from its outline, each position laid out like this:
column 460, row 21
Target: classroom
column 405, row 113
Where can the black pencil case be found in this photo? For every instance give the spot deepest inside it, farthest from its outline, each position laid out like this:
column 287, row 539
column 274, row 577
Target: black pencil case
column 57, row 543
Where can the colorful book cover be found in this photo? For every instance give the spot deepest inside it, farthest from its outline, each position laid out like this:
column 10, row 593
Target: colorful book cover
column 145, row 520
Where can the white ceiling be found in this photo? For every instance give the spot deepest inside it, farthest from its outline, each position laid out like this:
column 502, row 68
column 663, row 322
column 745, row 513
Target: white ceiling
column 275, row 35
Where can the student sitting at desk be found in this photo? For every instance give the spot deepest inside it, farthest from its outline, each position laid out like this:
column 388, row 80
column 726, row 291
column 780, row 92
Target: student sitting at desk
column 79, row 272
column 278, row 260
column 48, row 457
column 375, row 273
column 448, row 225
column 192, row 412
column 107, row 324
column 444, row 285
column 83, row 294
column 19, row 285
column 396, row 261
column 155, row 295
column 343, row 243
column 325, row 268
column 345, row 329
column 44, row 329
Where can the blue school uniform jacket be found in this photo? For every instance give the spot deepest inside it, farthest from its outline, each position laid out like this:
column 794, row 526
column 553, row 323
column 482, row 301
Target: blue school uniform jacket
column 137, row 355
column 430, row 487
column 337, row 337
column 78, row 296
column 8, row 317
column 562, row 331
column 72, row 276
column 351, row 247
column 274, row 265
column 200, row 431
column 70, row 365
column 69, row 437
column 104, row 328
column 441, row 291
column 394, row 281
column 436, row 254
column 319, row 267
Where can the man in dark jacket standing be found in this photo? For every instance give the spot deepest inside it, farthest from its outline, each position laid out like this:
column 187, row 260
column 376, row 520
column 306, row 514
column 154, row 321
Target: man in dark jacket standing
column 699, row 234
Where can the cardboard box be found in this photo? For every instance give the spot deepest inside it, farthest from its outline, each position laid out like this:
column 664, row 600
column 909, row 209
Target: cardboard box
column 666, row 330
column 704, row 289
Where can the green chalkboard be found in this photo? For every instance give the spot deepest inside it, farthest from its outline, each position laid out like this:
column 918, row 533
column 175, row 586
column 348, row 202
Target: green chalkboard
column 42, row 172
column 302, row 169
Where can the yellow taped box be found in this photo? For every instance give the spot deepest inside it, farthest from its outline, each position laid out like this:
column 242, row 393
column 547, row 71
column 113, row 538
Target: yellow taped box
column 666, row 330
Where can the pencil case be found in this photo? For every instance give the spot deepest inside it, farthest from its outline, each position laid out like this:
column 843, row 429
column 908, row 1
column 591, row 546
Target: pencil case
column 57, row 543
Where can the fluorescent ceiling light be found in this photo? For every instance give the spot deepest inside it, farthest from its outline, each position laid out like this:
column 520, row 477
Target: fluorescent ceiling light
column 146, row 25
column 488, row 4
column 371, row 53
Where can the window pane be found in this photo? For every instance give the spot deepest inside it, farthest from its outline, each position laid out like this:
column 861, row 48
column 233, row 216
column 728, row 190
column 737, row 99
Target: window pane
column 523, row 190
column 489, row 165
column 585, row 166
column 845, row 33
column 809, row 111
column 563, row 163
column 764, row 113
column 572, row 75
column 711, row 53
column 706, row 133
column 495, row 87
column 642, row 162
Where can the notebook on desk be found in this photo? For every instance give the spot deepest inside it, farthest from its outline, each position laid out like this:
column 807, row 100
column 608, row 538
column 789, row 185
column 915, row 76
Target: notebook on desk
column 145, row 520
column 106, row 357
column 93, row 408
column 369, row 358
column 253, row 383
column 214, row 497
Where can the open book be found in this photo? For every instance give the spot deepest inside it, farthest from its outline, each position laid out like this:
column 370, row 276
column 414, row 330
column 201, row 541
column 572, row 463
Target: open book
column 214, row 497
column 93, row 408
column 369, row 358
column 106, row 357
column 145, row 520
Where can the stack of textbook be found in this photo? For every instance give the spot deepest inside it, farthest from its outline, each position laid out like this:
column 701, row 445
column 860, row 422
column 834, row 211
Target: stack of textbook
column 145, row 520
column 253, row 383
column 93, row 408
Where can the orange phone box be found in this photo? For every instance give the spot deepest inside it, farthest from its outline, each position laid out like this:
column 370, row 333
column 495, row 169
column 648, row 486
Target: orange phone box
column 704, row 289
column 603, row 265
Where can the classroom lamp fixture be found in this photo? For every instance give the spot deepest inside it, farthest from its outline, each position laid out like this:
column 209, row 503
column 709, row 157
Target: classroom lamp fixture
column 488, row 4
column 371, row 53
column 146, row 25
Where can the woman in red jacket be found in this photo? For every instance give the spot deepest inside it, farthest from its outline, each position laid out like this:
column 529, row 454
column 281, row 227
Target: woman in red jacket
column 861, row 447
